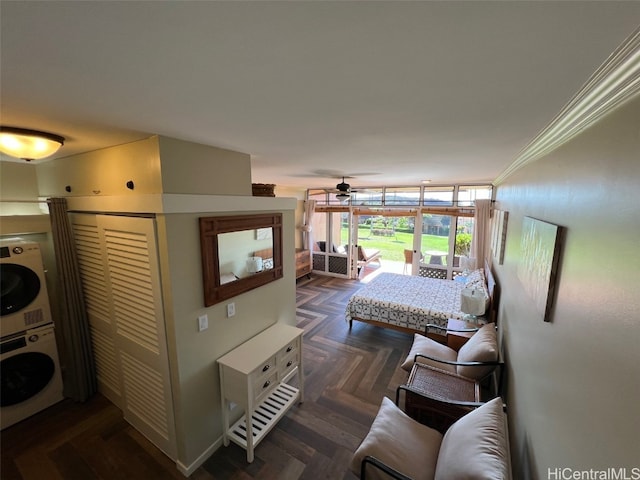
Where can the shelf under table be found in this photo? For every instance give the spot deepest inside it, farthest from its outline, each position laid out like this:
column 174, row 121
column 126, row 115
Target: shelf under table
column 265, row 416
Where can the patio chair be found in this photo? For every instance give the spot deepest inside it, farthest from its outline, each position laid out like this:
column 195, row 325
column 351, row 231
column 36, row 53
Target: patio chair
column 408, row 260
column 475, row 446
column 477, row 358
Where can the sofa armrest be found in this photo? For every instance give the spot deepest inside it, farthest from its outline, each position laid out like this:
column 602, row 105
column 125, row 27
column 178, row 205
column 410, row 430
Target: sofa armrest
column 463, row 364
column 499, row 364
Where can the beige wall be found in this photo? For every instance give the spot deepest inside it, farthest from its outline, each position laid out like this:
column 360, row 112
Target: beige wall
column 299, row 195
column 202, row 169
column 19, row 189
column 574, row 383
column 194, row 368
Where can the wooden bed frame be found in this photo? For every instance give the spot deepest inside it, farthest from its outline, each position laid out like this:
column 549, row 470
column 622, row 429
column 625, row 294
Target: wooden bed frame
column 265, row 253
column 491, row 312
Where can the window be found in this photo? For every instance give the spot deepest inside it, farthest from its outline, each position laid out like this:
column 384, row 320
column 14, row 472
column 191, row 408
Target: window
column 438, row 196
column 467, row 195
column 402, row 196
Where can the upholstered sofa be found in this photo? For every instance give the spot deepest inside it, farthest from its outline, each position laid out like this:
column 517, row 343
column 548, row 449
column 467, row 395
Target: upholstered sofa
column 474, row 447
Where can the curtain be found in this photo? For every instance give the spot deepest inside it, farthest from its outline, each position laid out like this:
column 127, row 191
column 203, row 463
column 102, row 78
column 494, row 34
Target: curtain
column 307, row 235
column 480, row 231
column 73, row 327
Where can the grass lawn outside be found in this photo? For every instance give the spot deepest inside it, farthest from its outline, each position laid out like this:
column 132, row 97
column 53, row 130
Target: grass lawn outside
column 392, row 247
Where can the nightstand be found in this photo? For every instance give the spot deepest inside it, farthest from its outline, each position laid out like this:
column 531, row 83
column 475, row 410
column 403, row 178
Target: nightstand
column 303, row 263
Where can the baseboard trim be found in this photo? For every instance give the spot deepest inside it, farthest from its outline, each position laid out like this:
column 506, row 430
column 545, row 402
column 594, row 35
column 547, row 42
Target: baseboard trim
column 187, row 470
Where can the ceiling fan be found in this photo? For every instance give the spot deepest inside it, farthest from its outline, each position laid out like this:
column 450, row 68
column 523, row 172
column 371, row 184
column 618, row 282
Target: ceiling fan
column 343, row 190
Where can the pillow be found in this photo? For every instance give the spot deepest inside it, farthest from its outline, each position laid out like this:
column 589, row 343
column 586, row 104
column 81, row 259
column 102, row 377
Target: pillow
column 267, row 263
column 476, row 446
column 481, row 347
column 426, row 346
column 400, row 442
column 475, row 279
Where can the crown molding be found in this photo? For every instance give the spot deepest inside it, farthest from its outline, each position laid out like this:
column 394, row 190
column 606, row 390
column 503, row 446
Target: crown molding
column 615, row 82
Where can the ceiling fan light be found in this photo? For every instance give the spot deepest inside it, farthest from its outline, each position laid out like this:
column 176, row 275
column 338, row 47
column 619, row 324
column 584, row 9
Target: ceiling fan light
column 28, row 144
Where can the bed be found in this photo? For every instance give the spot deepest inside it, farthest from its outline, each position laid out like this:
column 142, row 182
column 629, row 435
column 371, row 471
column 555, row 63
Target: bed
column 408, row 303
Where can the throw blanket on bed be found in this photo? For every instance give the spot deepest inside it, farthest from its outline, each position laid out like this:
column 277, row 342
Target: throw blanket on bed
column 407, row 301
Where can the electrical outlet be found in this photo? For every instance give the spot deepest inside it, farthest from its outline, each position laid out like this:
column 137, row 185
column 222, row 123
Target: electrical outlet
column 231, row 309
column 203, row 322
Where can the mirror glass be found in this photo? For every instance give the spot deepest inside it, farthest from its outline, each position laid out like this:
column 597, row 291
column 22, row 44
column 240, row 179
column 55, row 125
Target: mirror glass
column 244, row 253
column 239, row 253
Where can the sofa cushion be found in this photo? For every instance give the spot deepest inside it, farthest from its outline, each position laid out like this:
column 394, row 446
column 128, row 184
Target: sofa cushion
column 476, row 446
column 426, row 346
column 399, row 442
column 481, row 347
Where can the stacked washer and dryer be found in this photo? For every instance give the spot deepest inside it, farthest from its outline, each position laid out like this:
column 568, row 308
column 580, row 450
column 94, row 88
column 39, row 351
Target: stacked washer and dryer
column 30, row 369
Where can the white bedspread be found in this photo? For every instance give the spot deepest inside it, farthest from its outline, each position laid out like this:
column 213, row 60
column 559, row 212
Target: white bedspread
column 407, row 301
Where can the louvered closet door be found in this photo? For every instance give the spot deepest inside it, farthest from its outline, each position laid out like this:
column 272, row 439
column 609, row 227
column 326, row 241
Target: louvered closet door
column 98, row 304
column 132, row 281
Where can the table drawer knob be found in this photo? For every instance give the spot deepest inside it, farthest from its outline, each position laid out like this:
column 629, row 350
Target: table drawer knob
column 266, row 367
column 266, row 384
column 289, row 363
column 289, row 348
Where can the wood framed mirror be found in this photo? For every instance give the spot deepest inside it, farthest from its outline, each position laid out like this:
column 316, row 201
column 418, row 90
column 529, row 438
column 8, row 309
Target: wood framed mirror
column 239, row 253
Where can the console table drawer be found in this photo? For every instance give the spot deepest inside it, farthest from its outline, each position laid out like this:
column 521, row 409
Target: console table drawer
column 264, row 384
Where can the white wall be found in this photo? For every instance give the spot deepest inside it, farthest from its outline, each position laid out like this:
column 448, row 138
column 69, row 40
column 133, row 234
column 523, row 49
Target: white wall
column 574, row 383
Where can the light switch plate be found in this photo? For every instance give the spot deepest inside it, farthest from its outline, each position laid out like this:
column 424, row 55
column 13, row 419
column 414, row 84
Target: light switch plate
column 231, row 309
column 203, row 322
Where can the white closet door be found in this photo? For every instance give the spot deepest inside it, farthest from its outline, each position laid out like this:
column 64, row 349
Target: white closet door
column 98, row 304
column 132, row 278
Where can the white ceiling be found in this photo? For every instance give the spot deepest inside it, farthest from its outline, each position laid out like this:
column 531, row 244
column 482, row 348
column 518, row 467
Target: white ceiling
column 389, row 92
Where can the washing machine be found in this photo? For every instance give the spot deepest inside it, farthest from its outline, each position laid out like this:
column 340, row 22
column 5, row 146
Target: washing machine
column 29, row 374
column 25, row 302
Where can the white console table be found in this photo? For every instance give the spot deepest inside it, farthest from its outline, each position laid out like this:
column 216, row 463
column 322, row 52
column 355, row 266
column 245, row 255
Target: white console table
column 255, row 376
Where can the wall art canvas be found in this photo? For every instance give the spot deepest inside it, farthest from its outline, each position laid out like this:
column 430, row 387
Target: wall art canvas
column 538, row 266
column 263, row 233
column 499, row 234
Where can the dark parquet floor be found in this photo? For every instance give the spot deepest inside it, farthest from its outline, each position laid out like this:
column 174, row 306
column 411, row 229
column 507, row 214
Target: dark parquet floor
column 346, row 375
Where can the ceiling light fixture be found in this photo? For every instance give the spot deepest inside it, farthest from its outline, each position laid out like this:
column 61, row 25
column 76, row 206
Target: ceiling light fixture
column 28, row 144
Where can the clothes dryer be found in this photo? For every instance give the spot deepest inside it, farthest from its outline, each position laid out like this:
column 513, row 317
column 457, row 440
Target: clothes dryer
column 29, row 374
column 25, row 301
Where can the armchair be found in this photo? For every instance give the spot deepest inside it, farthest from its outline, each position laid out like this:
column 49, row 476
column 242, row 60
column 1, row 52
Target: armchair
column 477, row 358
column 475, row 446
